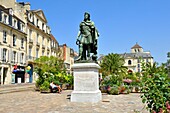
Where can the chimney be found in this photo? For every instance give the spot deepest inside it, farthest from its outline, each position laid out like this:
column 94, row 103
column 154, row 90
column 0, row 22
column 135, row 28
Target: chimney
column 27, row 6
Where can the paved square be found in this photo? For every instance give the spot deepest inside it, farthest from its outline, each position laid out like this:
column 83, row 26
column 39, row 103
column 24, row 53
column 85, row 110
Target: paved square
column 36, row 102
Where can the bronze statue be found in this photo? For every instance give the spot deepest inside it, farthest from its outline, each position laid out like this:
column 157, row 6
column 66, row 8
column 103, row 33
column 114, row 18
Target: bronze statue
column 87, row 39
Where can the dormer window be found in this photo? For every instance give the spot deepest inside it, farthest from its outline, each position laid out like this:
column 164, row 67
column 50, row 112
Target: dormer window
column 6, row 19
column 43, row 26
column 38, row 23
column 22, row 27
column 15, row 23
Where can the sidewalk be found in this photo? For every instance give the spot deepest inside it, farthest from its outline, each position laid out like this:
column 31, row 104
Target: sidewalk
column 36, row 102
column 16, row 87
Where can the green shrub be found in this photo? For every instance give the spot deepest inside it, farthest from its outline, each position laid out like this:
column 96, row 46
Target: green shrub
column 114, row 90
column 156, row 88
column 45, row 86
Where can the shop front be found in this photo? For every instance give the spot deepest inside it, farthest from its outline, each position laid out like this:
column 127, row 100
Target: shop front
column 18, row 75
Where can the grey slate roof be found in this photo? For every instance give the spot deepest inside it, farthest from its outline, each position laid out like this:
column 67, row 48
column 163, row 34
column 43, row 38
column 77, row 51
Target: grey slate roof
column 136, row 46
column 137, row 55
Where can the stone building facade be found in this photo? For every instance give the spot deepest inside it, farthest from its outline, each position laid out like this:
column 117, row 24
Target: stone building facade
column 67, row 54
column 24, row 36
column 134, row 59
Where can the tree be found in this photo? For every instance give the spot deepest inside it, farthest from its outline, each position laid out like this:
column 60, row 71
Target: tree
column 50, row 64
column 112, row 64
column 48, row 68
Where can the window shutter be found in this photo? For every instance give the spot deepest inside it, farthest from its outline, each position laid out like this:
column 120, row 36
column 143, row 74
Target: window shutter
column 1, row 53
column 0, row 15
column 19, row 24
column 12, row 56
column 24, row 58
column 20, row 54
column 17, row 57
column 8, row 55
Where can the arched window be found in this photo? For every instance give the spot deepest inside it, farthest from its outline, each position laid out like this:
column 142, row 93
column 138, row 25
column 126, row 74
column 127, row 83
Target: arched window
column 129, row 62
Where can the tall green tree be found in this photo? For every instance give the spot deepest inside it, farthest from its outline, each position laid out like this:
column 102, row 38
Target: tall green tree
column 112, row 64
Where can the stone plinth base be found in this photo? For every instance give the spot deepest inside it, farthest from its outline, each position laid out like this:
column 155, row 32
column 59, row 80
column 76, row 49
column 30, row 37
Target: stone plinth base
column 86, row 83
column 86, row 96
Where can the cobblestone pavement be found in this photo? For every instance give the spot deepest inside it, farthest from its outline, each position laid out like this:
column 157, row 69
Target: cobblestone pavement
column 36, row 102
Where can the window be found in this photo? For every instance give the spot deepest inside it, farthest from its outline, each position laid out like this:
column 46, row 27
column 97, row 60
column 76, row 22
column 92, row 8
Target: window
column 22, row 27
column 14, row 56
column 37, row 23
column 135, row 51
column 37, row 50
column 22, row 43
column 147, row 60
column 138, row 60
column 138, row 70
column 30, row 51
column 14, row 40
column 42, row 53
column 129, row 62
column 5, row 19
column 4, row 36
column 43, row 26
column 15, row 23
column 138, row 65
column 4, row 55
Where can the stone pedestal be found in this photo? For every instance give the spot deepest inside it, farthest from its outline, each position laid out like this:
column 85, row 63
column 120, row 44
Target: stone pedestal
column 86, row 83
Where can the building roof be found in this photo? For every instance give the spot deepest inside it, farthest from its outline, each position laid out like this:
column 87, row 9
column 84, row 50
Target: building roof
column 136, row 46
column 40, row 14
column 137, row 55
column 53, row 38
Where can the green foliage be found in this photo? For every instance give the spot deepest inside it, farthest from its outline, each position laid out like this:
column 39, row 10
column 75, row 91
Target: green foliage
column 112, row 80
column 114, row 90
column 44, row 86
column 49, row 64
column 51, row 69
column 155, row 86
column 112, row 64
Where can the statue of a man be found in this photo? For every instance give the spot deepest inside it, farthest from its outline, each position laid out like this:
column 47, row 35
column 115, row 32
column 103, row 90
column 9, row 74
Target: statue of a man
column 87, row 39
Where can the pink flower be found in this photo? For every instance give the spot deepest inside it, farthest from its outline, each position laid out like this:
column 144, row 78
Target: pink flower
column 168, row 105
column 127, row 80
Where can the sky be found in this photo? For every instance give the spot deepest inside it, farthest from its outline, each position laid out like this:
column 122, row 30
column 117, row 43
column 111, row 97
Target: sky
column 121, row 23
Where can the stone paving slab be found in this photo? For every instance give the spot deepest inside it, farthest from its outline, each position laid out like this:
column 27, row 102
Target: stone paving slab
column 36, row 102
column 16, row 87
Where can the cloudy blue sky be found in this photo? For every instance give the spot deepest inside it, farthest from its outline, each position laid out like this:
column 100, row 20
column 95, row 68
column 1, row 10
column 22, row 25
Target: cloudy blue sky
column 121, row 23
